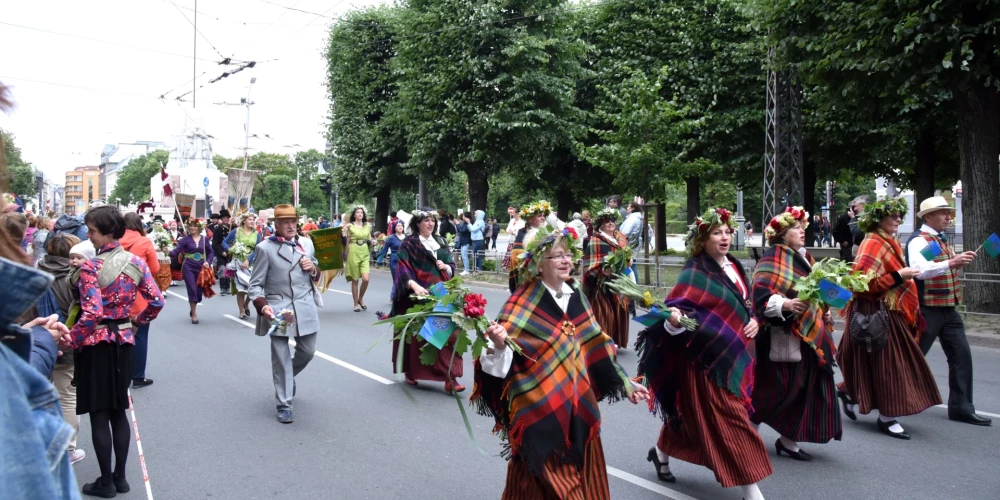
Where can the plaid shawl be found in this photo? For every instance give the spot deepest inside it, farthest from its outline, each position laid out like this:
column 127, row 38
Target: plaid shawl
column 416, row 263
column 775, row 274
column 547, row 405
column 705, row 293
column 516, row 249
column 599, row 248
column 882, row 253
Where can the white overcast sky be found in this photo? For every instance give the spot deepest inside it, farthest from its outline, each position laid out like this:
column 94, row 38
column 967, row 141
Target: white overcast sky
column 59, row 127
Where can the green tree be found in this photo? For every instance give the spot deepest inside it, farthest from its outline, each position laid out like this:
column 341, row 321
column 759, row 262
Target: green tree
column 19, row 177
column 134, row 179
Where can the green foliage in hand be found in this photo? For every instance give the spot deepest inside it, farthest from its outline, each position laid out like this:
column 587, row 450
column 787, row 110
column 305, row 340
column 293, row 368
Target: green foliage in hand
column 835, row 271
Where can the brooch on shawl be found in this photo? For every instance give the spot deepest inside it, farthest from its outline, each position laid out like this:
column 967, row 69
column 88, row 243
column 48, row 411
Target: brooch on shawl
column 568, row 328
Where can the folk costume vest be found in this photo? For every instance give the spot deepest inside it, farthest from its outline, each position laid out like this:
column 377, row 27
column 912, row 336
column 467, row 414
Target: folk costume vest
column 944, row 290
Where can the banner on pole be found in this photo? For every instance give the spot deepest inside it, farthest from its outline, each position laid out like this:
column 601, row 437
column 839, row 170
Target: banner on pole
column 240, row 189
column 184, row 204
column 329, row 248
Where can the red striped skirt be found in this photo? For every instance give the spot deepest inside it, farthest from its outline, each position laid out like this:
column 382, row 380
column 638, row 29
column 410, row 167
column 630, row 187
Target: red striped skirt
column 611, row 314
column 894, row 380
column 715, row 432
column 439, row 370
column 561, row 481
column 799, row 400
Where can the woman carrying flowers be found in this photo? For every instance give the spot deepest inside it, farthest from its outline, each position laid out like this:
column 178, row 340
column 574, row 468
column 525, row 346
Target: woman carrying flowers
column 240, row 245
column 533, row 216
column 196, row 251
column 796, row 397
column 163, row 242
column 702, row 379
column 893, row 379
column 544, row 399
column 424, row 260
column 610, row 309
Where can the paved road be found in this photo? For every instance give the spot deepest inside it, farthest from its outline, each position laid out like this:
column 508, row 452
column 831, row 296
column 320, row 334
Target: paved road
column 208, row 427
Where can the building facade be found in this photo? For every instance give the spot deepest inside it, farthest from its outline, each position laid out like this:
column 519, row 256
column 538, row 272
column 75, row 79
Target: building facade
column 83, row 185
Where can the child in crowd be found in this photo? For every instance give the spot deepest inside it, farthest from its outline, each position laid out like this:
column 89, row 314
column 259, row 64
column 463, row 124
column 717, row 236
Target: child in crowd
column 81, row 252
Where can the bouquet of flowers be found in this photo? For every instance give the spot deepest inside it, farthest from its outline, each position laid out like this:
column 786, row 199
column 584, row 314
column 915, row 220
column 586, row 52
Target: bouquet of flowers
column 282, row 320
column 162, row 240
column 623, row 285
column 239, row 251
column 832, row 281
column 450, row 239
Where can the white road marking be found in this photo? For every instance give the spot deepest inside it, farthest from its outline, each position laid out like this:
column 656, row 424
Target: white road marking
column 337, row 291
column 983, row 413
column 355, row 369
column 182, row 297
column 649, row 485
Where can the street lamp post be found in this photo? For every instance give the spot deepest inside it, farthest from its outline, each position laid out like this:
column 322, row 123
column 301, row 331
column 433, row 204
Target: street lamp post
column 246, row 138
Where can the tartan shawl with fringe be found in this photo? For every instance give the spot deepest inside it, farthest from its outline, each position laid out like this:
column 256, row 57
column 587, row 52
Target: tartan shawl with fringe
column 598, row 248
column 416, row 263
column 705, row 293
column 775, row 274
column 881, row 253
column 547, row 405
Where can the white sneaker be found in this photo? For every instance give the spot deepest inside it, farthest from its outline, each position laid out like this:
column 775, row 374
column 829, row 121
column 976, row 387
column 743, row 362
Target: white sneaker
column 77, row 455
column 463, row 273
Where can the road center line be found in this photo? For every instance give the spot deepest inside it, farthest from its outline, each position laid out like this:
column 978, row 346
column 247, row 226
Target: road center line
column 185, row 299
column 649, row 485
column 355, row 369
column 986, row 414
column 337, row 291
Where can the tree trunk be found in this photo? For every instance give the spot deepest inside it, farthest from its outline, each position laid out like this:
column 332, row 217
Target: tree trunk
column 661, row 227
column 979, row 148
column 479, row 186
column 693, row 198
column 383, row 198
column 565, row 202
column 924, row 173
column 809, row 195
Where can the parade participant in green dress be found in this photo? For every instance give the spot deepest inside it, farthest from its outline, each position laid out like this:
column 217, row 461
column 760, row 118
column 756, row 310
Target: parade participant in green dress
column 248, row 236
column 358, row 234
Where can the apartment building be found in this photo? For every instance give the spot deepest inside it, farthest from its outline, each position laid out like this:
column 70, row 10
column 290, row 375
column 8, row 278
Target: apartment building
column 82, row 186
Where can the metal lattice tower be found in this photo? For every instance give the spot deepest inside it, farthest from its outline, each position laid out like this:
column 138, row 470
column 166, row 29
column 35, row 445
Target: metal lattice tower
column 783, row 142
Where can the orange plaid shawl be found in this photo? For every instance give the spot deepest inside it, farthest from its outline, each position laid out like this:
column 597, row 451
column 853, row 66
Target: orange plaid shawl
column 547, row 405
column 882, row 253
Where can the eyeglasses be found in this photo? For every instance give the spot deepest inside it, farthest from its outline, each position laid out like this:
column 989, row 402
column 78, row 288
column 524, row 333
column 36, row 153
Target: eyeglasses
column 560, row 257
column 896, row 216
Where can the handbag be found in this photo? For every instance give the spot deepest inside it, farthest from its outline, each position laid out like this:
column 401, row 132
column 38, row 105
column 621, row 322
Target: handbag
column 870, row 329
column 785, row 347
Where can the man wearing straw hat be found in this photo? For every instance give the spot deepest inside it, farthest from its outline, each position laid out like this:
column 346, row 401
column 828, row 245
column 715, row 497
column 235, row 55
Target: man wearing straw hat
column 940, row 293
column 284, row 273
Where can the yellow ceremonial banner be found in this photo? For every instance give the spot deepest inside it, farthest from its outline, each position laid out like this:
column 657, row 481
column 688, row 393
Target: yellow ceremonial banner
column 329, row 248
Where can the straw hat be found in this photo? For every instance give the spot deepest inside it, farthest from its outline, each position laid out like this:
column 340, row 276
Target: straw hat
column 284, row 212
column 932, row 204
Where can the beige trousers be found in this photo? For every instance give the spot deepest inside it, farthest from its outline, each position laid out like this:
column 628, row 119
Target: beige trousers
column 62, row 378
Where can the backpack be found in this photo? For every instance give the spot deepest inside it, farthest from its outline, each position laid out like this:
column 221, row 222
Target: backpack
column 48, row 305
column 67, row 224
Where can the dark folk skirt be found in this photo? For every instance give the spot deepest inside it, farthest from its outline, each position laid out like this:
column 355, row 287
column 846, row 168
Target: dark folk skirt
column 715, row 432
column 894, row 380
column 560, row 481
column 799, row 400
column 439, row 370
column 611, row 313
column 102, row 374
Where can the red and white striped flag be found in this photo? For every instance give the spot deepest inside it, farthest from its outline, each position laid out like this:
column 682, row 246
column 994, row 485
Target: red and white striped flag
column 167, row 190
column 295, row 188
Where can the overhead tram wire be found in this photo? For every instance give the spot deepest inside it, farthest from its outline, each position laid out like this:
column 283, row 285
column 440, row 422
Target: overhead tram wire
column 296, row 10
column 91, row 89
column 209, row 42
column 109, row 42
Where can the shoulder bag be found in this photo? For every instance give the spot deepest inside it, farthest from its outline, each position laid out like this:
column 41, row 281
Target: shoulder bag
column 869, row 329
column 786, row 347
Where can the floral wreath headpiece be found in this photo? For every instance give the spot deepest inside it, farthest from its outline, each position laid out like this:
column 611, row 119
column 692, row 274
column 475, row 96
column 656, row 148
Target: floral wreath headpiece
column 355, row 209
column 784, row 220
column 608, row 214
column 195, row 222
column 421, row 214
column 869, row 219
column 527, row 264
column 541, row 208
column 708, row 221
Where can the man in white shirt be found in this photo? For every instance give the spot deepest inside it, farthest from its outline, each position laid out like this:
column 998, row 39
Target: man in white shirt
column 940, row 293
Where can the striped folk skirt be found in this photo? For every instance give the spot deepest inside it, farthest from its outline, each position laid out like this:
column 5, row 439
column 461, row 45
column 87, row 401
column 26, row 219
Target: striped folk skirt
column 611, row 313
column 715, row 432
column 799, row 400
column 561, row 481
column 439, row 371
column 894, row 380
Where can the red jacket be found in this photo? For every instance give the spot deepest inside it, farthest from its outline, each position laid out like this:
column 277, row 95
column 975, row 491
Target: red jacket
column 142, row 247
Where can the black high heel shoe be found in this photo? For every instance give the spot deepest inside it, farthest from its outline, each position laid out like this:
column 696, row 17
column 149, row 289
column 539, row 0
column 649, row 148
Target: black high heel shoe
column 800, row 455
column 884, row 427
column 845, row 400
column 667, row 477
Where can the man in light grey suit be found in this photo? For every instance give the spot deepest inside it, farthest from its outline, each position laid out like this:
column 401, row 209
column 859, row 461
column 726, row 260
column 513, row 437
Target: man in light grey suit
column 284, row 271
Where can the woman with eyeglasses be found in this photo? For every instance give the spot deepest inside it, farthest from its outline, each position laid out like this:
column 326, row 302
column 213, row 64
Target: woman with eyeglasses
column 893, row 379
column 610, row 309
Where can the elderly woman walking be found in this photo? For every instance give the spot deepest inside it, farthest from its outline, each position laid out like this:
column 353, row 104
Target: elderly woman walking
column 196, row 250
column 702, row 379
column 534, row 216
column 610, row 309
column 794, row 391
column 545, row 402
column 893, row 379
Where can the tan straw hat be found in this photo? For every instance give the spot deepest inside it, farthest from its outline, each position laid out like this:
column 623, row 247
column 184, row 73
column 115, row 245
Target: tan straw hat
column 284, row 212
column 932, row 204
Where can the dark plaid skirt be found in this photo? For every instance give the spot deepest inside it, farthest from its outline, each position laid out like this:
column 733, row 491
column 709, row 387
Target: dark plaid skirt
column 102, row 375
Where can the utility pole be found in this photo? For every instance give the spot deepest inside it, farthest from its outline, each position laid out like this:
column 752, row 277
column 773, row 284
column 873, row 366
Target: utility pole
column 246, row 138
column 194, row 59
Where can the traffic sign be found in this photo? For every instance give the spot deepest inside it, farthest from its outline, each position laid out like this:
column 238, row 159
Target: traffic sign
column 205, row 182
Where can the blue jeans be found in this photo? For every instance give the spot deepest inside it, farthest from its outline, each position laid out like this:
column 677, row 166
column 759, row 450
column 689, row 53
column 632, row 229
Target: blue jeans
column 141, row 346
column 477, row 256
column 465, row 256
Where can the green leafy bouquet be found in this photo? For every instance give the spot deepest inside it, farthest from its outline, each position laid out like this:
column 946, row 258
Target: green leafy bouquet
column 619, row 260
column 834, row 271
column 623, row 285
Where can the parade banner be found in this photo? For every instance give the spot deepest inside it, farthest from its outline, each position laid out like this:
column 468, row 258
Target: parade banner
column 240, row 189
column 329, row 248
column 184, row 204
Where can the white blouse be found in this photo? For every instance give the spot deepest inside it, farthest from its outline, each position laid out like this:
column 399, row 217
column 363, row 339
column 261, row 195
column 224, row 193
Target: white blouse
column 497, row 362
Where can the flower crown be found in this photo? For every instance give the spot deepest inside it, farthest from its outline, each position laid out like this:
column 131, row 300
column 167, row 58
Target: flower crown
column 784, row 220
column 869, row 219
column 711, row 219
column 195, row 222
column 541, row 208
column 527, row 264
column 421, row 214
column 608, row 214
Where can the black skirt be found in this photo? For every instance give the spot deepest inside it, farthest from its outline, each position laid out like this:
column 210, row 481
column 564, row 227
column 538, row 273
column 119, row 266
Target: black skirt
column 102, row 374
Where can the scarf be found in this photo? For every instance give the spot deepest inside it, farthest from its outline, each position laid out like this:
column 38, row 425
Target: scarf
column 294, row 242
column 775, row 274
column 416, row 263
column 705, row 293
column 546, row 407
column 599, row 247
column 881, row 253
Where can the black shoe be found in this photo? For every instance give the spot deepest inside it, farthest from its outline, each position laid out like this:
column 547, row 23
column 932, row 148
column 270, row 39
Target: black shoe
column 99, row 489
column 285, row 416
column 884, row 427
column 668, row 476
column 845, row 400
column 141, row 382
column 800, row 455
column 971, row 418
column 121, row 486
